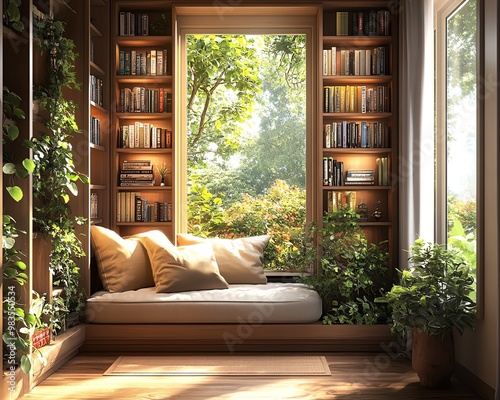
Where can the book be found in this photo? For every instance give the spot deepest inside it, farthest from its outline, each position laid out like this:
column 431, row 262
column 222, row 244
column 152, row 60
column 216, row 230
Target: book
column 153, row 62
column 159, row 62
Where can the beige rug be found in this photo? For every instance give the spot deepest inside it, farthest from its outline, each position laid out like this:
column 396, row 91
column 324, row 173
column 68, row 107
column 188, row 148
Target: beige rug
column 220, row 365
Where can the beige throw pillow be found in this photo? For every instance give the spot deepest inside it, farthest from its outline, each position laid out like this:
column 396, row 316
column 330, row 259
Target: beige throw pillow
column 177, row 269
column 239, row 260
column 123, row 264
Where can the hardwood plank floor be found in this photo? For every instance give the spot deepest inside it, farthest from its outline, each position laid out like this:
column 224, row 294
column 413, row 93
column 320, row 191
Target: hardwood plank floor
column 355, row 376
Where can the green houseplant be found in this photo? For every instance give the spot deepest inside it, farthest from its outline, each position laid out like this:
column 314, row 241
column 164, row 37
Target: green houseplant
column 350, row 272
column 55, row 176
column 432, row 297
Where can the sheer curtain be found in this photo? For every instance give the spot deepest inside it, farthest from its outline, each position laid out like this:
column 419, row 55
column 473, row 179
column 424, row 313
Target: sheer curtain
column 416, row 130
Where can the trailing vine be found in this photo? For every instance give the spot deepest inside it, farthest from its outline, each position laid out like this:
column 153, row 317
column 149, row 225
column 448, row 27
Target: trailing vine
column 55, row 176
column 15, row 336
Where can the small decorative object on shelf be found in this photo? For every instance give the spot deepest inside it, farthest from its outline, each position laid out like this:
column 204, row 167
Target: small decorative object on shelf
column 40, row 338
column 93, row 205
column 163, row 170
column 363, row 211
column 377, row 214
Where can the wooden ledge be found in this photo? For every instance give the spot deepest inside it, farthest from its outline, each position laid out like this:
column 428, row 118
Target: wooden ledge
column 235, row 337
column 61, row 349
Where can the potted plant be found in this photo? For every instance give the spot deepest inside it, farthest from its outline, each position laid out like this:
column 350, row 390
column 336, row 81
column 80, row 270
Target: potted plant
column 164, row 170
column 433, row 297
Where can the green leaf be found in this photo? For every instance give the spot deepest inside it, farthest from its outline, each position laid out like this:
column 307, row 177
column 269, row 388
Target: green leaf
column 29, row 164
column 25, row 364
column 18, row 113
column 8, row 243
column 9, row 168
column 15, row 192
column 13, row 132
column 9, row 273
column 13, row 12
column 30, row 319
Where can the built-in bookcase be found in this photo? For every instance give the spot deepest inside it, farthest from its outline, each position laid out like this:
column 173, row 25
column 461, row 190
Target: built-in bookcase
column 142, row 118
column 99, row 127
column 359, row 115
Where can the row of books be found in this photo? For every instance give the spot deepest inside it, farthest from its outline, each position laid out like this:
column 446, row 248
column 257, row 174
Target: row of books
column 136, row 173
column 148, row 63
column 363, row 134
column 334, row 175
column 359, row 177
column 363, row 23
column 132, row 207
column 144, row 100
column 95, row 130
column 355, row 61
column 356, row 99
column 96, row 90
column 333, row 172
column 132, row 24
column 144, row 136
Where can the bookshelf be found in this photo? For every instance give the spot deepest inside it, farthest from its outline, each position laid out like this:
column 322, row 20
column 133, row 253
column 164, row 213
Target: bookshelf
column 99, row 121
column 359, row 121
column 141, row 117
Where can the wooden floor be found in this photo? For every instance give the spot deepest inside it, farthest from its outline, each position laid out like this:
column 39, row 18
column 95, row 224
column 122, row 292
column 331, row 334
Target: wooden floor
column 355, row 376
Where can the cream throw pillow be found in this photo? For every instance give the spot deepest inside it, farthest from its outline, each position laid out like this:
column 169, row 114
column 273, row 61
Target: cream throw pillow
column 123, row 264
column 239, row 260
column 177, row 269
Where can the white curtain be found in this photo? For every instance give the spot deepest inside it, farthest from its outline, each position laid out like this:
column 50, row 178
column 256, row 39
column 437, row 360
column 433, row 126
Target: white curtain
column 416, row 128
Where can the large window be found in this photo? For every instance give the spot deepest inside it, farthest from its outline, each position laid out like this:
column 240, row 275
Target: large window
column 458, row 123
column 247, row 126
column 246, row 139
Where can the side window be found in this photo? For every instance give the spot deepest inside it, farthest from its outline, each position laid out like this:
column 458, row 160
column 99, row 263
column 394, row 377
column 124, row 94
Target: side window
column 458, row 133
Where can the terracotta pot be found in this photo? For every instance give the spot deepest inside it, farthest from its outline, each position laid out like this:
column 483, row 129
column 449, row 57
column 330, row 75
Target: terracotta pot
column 433, row 358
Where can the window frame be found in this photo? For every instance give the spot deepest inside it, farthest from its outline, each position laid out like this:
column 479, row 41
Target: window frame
column 442, row 11
column 246, row 20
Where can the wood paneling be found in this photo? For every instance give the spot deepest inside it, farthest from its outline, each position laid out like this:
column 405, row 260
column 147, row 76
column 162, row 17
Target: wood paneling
column 360, row 376
column 235, row 337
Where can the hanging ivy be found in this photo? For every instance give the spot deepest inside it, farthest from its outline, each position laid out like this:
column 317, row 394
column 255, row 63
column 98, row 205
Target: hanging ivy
column 55, row 176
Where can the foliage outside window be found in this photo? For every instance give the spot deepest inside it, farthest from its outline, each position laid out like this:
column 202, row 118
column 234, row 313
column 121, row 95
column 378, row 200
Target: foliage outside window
column 246, row 139
column 462, row 129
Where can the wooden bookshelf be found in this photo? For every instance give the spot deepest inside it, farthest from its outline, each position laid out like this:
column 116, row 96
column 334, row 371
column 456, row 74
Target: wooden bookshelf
column 99, row 127
column 128, row 21
column 366, row 30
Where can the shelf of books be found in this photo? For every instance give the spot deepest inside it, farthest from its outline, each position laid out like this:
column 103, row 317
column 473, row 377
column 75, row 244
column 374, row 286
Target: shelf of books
column 142, row 199
column 359, row 132
column 99, row 123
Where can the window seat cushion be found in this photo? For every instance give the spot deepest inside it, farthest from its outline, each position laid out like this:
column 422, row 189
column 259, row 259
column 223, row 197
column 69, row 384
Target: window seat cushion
column 273, row 302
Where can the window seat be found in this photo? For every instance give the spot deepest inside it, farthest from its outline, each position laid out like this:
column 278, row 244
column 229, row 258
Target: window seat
column 273, row 302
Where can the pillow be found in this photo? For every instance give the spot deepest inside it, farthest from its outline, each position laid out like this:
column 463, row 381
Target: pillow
column 177, row 269
column 239, row 260
column 123, row 264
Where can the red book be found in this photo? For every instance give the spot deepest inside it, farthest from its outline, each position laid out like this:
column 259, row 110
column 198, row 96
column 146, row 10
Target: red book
column 162, row 103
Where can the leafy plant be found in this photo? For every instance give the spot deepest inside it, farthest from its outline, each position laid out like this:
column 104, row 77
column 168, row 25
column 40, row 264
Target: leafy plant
column 10, row 132
column 349, row 272
column 40, row 316
column 434, row 294
column 55, row 176
column 13, row 267
column 163, row 169
column 12, row 15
